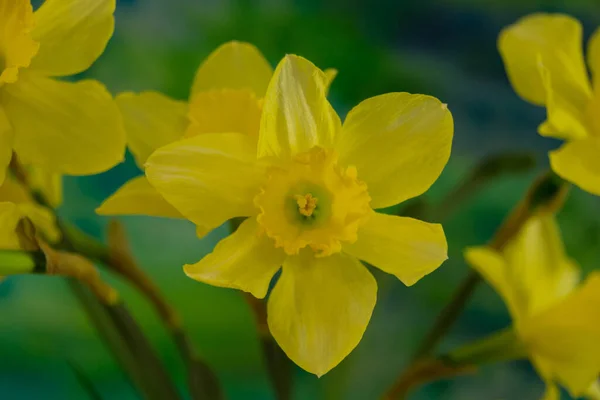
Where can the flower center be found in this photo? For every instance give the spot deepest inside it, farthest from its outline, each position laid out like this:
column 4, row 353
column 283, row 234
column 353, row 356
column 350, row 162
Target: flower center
column 313, row 202
column 306, row 204
column 16, row 46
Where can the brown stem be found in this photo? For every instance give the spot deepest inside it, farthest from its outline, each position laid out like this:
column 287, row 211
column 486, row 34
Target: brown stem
column 546, row 194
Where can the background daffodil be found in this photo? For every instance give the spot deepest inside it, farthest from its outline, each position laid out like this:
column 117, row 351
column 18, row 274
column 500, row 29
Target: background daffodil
column 308, row 187
column 544, row 60
column 15, row 204
column 63, row 127
column 555, row 317
column 226, row 96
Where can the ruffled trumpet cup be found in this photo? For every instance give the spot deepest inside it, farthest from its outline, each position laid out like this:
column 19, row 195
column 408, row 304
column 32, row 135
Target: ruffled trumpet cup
column 62, row 127
column 309, row 187
column 556, row 317
column 544, row 60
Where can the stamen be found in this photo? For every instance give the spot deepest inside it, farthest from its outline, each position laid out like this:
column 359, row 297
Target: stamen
column 306, row 204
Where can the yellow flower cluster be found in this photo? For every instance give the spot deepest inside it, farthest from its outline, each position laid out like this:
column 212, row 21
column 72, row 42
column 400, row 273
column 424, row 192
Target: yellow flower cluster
column 267, row 146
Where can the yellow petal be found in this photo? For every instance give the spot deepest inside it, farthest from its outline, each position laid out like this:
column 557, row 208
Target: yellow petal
column 330, row 74
column 594, row 58
column 554, row 39
column 70, row 128
column 151, row 120
column 404, row 247
column 209, row 178
column 16, row 45
column 492, row 266
column 43, row 219
column 234, row 65
column 12, row 191
column 225, row 110
column 72, row 34
column 399, row 143
column 296, row 114
column 565, row 337
column 577, row 161
column 552, row 392
column 6, row 144
column 46, row 182
column 533, row 273
column 9, row 218
column 566, row 110
column 246, row 260
column 138, row 197
column 538, row 268
column 320, row 308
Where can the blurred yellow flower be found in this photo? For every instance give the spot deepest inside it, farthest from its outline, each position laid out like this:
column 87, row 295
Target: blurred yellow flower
column 544, row 60
column 15, row 204
column 63, row 127
column 308, row 187
column 226, row 96
column 556, row 318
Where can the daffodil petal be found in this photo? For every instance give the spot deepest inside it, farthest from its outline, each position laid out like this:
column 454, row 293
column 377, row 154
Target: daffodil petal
column 320, row 308
column 246, row 260
column 565, row 337
column 296, row 114
column 70, row 128
column 594, row 58
column 234, row 65
column 46, row 182
column 151, row 120
column 225, row 110
column 566, row 110
column 14, row 192
column 72, row 34
column 577, row 161
column 556, row 41
column 43, row 219
column 399, row 144
column 552, row 392
column 9, row 218
column 6, row 144
column 404, row 247
column 18, row 48
column 538, row 270
column 138, row 197
column 330, row 74
column 209, row 178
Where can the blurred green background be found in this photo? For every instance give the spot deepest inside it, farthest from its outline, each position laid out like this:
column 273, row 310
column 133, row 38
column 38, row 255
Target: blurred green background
column 446, row 48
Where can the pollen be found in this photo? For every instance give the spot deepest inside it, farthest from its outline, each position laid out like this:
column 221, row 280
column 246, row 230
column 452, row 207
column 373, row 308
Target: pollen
column 313, row 202
column 306, row 204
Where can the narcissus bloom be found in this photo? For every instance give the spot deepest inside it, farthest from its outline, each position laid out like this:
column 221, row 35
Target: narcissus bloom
column 15, row 204
column 308, row 187
column 226, row 96
column 556, row 318
column 544, row 60
column 62, row 127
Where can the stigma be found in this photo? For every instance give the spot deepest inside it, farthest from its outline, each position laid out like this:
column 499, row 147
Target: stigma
column 306, row 204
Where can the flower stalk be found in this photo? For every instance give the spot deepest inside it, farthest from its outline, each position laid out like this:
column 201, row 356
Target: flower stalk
column 546, row 194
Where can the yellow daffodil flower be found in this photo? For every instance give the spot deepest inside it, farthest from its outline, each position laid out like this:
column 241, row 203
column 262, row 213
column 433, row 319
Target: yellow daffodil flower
column 15, row 204
column 62, row 127
column 308, row 186
column 556, row 318
column 544, row 60
column 226, row 96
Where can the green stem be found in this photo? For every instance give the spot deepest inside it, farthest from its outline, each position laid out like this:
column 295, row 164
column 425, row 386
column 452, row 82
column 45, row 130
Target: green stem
column 546, row 194
column 15, row 262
